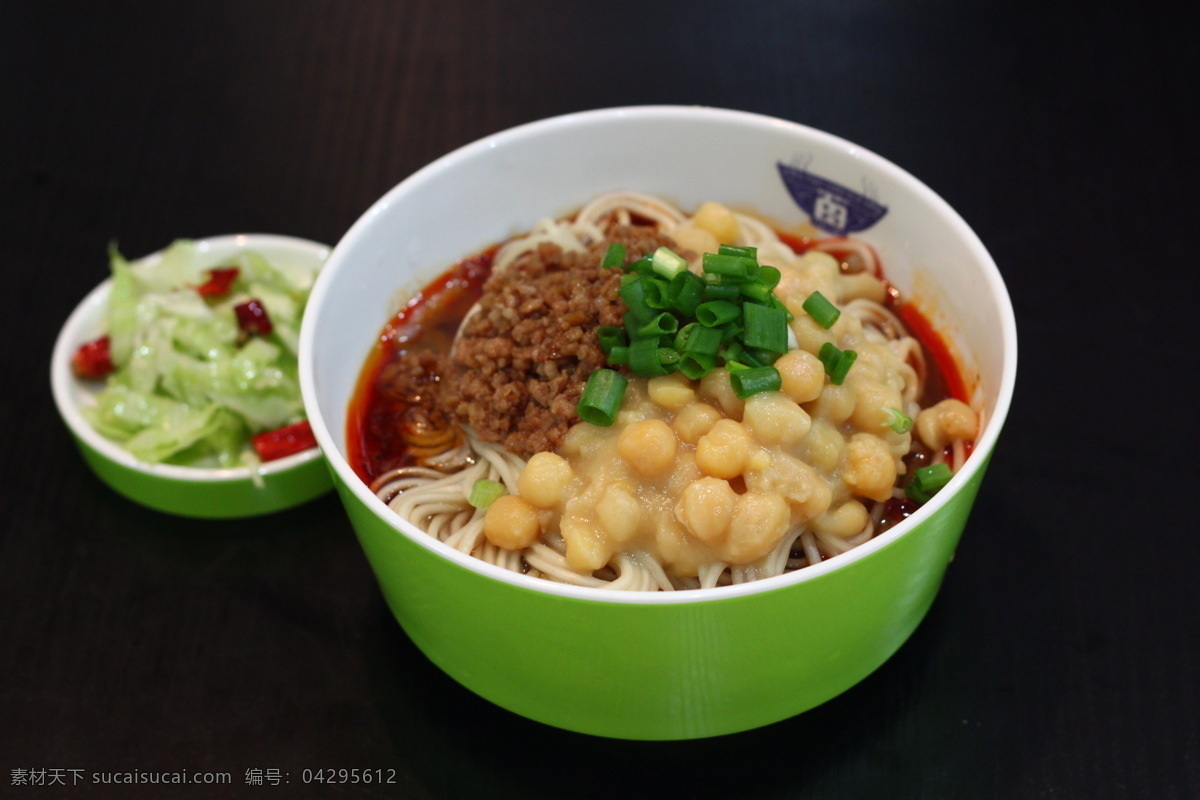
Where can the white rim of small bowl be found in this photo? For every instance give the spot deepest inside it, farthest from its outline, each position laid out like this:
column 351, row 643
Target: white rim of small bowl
column 983, row 445
column 79, row 328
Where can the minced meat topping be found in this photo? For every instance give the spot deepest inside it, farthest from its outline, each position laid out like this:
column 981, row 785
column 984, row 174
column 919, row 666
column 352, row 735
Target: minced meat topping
column 522, row 358
column 521, row 362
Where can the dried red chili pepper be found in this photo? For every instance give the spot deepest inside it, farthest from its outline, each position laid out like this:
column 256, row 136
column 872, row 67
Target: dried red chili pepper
column 284, row 441
column 93, row 359
column 252, row 318
column 219, row 281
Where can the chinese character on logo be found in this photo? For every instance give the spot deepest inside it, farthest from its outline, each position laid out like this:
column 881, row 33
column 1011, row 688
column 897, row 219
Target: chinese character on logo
column 829, row 211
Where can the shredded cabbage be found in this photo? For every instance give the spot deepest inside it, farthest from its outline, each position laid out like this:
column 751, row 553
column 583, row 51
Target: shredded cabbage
column 187, row 388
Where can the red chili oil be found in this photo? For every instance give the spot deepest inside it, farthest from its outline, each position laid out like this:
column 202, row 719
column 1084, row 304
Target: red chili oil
column 374, row 440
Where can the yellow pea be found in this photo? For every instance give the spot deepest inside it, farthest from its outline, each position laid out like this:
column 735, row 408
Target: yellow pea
column 717, row 388
column 774, row 418
column 619, row 513
column 672, row 392
column 705, row 508
column 802, row 373
column 759, row 521
column 689, row 236
column 941, row 424
column 511, row 522
column 648, row 446
column 724, row 451
column 848, row 519
column 872, row 399
column 694, row 421
column 718, row 220
column 544, row 478
column 868, row 467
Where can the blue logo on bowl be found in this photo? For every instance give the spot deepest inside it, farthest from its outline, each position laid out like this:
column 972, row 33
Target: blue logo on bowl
column 831, row 206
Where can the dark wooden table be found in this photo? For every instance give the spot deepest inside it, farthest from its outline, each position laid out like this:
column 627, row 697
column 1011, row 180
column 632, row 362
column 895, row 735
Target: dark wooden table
column 1061, row 658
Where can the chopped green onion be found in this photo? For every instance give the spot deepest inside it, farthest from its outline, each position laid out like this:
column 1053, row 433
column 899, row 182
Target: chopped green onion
column 729, row 266
column 758, row 292
column 611, row 336
column 823, row 312
column 897, row 420
column 829, row 355
column 927, row 480
column 647, row 359
column 766, row 328
column 715, row 313
column 722, row 291
column 484, row 492
column 632, row 323
column 768, row 276
column 642, row 266
column 775, row 302
column 757, row 354
column 681, row 336
column 685, row 292
column 644, row 295
column 738, row 250
column 701, row 340
column 753, row 380
column 601, row 399
column 696, row 365
column 843, row 368
column 668, row 263
column 659, row 325
column 734, row 353
column 655, row 290
column 614, row 256
column 677, row 320
column 837, row 362
column 633, row 292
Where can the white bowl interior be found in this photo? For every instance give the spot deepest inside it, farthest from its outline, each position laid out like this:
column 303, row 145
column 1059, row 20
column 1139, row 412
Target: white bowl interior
column 500, row 186
column 87, row 323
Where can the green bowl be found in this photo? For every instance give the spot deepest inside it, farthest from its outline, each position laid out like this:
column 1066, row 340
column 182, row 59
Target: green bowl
column 667, row 665
column 217, row 493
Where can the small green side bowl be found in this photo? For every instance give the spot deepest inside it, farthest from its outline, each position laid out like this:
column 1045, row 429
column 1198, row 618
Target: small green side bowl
column 663, row 665
column 187, row 491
